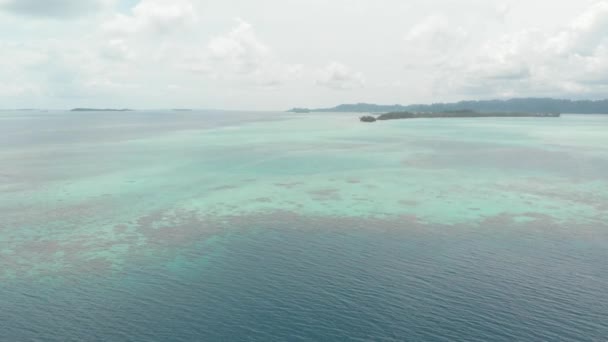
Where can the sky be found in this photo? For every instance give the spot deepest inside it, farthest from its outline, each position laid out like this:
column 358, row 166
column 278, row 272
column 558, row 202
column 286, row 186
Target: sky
column 278, row 54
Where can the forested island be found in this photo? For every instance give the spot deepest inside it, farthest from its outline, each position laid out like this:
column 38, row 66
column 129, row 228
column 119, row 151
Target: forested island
column 299, row 110
column 454, row 114
column 517, row 105
column 100, row 110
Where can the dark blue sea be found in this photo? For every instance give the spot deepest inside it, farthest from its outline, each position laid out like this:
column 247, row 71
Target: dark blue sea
column 333, row 280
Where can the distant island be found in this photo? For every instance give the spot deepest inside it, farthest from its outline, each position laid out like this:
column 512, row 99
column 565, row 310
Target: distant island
column 100, row 110
column 299, row 110
column 517, row 105
column 454, row 114
column 181, row 109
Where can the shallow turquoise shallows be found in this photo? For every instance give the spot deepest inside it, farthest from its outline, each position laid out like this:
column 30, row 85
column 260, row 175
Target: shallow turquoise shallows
column 259, row 226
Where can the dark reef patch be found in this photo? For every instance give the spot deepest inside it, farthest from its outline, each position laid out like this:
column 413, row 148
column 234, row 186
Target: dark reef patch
column 329, row 194
column 289, row 185
column 410, row 203
column 224, row 187
column 167, row 233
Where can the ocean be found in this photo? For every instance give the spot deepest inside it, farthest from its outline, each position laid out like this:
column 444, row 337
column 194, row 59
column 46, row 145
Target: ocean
column 267, row 226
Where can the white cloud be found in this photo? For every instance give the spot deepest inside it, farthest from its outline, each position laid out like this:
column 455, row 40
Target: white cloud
column 570, row 61
column 117, row 50
column 17, row 61
column 434, row 40
column 240, row 49
column 54, row 71
column 18, row 89
column 339, row 76
column 239, row 55
column 587, row 33
column 502, row 11
column 153, row 17
column 394, row 52
column 435, row 31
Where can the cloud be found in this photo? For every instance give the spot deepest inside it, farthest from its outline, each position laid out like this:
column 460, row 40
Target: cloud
column 434, row 40
column 117, row 50
column 504, row 72
column 338, row 76
column 16, row 90
column 427, row 51
column 17, row 60
column 51, row 8
column 569, row 61
column 240, row 55
column 240, row 49
column 53, row 70
column 586, row 33
column 153, row 17
column 436, row 31
column 502, row 11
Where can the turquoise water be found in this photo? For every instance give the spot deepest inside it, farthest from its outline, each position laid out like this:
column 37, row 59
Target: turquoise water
column 269, row 226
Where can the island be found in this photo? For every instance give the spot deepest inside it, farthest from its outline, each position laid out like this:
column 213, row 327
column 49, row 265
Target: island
column 367, row 118
column 454, row 114
column 515, row 105
column 299, row 110
column 100, row 110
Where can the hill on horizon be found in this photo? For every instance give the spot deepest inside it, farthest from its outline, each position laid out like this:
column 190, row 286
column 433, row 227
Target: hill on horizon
column 521, row 105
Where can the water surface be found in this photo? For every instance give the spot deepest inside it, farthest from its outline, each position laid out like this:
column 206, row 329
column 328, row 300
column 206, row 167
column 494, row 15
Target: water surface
column 269, row 226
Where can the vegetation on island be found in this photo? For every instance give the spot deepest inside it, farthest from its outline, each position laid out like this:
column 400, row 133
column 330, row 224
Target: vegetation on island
column 100, row 110
column 517, row 105
column 367, row 118
column 299, row 110
column 454, row 114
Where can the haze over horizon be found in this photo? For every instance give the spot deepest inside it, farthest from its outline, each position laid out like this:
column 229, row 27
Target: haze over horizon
column 274, row 55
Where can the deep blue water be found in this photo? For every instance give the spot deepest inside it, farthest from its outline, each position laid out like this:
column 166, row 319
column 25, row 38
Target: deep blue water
column 334, row 280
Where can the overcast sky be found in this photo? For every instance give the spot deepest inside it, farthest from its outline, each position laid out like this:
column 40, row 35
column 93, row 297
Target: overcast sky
column 277, row 54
